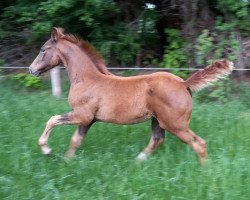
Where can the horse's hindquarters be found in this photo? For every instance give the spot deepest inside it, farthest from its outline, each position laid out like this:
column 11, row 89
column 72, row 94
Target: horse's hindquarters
column 172, row 108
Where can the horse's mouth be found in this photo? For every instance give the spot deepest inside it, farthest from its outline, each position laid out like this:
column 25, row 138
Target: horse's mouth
column 34, row 73
column 45, row 69
column 39, row 72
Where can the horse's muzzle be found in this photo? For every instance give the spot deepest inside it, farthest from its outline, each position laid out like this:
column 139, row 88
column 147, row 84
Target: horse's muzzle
column 34, row 73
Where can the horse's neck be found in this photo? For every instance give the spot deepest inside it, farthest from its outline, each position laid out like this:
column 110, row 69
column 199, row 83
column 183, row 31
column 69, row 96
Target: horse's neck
column 78, row 65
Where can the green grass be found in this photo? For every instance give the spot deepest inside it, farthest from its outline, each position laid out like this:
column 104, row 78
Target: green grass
column 105, row 166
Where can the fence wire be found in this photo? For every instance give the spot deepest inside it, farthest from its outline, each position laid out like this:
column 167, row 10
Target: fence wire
column 137, row 68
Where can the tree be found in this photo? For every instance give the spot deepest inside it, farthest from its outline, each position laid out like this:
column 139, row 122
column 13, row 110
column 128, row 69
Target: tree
column 128, row 32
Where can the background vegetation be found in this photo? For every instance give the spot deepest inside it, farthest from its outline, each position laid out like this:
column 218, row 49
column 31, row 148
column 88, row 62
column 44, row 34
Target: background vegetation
column 175, row 33
column 170, row 33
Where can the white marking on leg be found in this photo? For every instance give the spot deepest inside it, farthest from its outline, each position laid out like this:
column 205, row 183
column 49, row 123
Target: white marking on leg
column 42, row 141
column 44, row 137
column 142, row 156
column 46, row 150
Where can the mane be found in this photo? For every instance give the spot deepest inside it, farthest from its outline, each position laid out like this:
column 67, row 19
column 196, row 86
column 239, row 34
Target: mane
column 94, row 56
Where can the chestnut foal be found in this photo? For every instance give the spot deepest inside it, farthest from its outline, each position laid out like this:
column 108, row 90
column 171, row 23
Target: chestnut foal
column 97, row 95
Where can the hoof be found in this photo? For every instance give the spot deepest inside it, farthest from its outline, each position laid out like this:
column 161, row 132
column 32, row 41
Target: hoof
column 67, row 158
column 203, row 162
column 46, row 150
column 70, row 153
column 142, row 157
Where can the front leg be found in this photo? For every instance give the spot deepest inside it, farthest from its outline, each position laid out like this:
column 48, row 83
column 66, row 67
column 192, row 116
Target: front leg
column 69, row 118
column 76, row 140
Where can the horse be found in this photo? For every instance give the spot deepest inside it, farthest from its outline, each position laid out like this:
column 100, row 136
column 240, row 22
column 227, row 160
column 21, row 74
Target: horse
column 97, row 95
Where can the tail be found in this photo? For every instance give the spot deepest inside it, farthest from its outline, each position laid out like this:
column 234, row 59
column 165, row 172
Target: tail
column 209, row 74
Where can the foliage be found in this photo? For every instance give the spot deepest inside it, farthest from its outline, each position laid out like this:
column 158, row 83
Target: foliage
column 236, row 14
column 95, row 20
column 27, row 80
column 225, row 91
column 146, row 27
column 1, row 62
column 175, row 55
column 221, row 91
column 125, row 30
column 104, row 166
column 129, row 39
column 243, row 92
column 128, row 73
column 124, row 47
column 203, row 46
column 221, row 43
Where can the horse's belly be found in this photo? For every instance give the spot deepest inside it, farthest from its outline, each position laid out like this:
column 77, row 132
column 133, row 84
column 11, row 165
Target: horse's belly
column 125, row 121
column 120, row 115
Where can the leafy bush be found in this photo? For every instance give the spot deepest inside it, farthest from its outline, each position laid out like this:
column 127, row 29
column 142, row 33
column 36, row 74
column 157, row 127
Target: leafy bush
column 224, row 91
column 27, row 80
column 217, row 44
column 1, row 62
column 175, row 55
column 204, row 46
column 236, row 14
column 243, row 93
column 125, row 46
column 220, row 91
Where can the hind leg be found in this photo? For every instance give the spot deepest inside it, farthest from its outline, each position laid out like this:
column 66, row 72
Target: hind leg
column 157, row 137
column 195, row 142
column 76, row 140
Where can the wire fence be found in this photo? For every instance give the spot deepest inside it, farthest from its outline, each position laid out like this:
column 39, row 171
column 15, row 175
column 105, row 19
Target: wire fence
column 56, row 80
column 137, row 68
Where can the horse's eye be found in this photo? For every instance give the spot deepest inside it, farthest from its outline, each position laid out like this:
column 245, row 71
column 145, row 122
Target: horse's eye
column 42, row 50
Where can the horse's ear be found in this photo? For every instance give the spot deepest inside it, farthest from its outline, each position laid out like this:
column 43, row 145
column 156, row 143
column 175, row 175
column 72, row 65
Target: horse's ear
column 56, row 34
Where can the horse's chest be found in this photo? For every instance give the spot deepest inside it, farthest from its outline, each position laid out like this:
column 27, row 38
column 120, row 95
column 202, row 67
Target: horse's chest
column 79, row 98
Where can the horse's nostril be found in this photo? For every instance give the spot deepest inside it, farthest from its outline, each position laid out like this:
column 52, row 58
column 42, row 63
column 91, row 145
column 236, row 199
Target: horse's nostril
column 34, row 73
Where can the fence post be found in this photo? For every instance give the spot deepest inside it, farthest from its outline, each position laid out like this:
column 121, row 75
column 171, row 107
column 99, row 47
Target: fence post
column 56, row 81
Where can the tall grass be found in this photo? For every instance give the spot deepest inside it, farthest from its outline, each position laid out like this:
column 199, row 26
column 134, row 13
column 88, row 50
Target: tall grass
column 105, row 166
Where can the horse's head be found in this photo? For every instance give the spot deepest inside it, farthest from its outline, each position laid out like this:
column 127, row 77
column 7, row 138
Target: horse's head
column 48, row 56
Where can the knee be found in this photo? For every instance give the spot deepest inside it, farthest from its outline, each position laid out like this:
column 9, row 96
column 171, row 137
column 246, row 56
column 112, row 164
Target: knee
column 199, row 146
column 76, row 140
column 161, row 140
column 202, row 142
column 52, row 121
column 158, row 140
column 42, row 142
column 203, row 150
column 159, row 136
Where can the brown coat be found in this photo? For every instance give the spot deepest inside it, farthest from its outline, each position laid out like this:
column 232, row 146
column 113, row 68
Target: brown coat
column 97, row 95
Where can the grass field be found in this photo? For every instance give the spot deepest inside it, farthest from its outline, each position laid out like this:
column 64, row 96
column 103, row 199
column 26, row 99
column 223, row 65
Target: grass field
column 105, row 166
